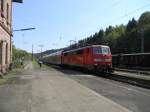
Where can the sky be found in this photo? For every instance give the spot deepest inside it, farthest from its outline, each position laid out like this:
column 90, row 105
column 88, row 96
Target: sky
column 59, row 21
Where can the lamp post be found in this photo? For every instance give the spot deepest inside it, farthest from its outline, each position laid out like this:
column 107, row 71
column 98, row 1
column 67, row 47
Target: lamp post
column 26, row 29
column 17, row 1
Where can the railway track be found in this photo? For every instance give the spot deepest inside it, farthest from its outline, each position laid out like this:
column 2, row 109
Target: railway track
column 136, row 81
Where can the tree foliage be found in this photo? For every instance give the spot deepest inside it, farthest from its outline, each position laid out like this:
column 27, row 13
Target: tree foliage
column 122, row 38
column 18, row 53
column 145, row 18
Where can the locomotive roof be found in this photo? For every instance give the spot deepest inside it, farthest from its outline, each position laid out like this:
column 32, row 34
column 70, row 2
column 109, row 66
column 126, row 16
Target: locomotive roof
column 85, row 47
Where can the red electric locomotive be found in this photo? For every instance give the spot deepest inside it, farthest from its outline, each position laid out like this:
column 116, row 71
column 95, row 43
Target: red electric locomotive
column 94, row 57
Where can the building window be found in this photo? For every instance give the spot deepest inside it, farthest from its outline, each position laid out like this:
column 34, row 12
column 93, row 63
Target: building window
column 7, row 14
column 2, row 8
column 2, row 5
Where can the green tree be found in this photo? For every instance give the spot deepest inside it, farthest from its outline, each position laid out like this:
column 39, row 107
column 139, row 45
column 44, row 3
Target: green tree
column 18, row 53
column 123, row 38
column 132, row 24
column 144, row 19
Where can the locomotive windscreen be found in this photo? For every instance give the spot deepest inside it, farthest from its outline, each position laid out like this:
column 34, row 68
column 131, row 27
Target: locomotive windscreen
column 101, row 50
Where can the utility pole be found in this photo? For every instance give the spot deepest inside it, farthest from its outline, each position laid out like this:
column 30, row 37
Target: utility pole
column 41, row 46
column 32, row 52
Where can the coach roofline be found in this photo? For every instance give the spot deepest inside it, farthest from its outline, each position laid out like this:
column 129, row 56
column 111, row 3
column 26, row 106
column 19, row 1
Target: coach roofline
column 53, row 54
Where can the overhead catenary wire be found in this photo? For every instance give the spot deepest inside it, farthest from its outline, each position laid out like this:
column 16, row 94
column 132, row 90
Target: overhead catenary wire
column 112, row 5
column 127, row 14
column 116, row 3
column 130, row 13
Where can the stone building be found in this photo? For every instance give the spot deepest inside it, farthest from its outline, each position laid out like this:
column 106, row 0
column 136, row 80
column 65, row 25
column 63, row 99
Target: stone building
column 6, row 33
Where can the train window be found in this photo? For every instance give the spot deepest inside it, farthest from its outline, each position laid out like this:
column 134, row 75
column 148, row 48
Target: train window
column 72, row 53
column 105, row 50
column 69, row 54
column 75, row 52
column 80, row 52
column 65, row 54
column 97, row 50
column 101, row 50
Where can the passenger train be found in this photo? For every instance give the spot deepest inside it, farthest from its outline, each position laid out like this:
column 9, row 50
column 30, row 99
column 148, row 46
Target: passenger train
column 93, row 58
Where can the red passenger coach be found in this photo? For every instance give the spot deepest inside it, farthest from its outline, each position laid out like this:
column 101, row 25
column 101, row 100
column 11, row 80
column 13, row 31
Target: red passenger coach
column 53, row 58
column 95, row 57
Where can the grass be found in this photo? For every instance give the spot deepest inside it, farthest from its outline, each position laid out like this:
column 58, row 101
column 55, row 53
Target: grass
column 18, row 65
column 37, row 66
column 16, row 71
column 3, row 81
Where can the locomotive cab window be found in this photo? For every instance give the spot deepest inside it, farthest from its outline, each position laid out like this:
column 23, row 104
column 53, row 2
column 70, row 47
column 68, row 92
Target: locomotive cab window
column 101, row 50
column 80, row 52
column 105, row 50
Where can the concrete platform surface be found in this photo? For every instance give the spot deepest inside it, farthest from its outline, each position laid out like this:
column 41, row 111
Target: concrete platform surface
column 65, row 95
column 52, row 91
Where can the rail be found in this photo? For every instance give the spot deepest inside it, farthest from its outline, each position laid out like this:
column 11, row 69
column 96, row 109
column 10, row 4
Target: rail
column 141, row 81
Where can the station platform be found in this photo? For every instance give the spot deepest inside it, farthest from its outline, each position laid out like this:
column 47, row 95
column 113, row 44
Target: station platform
column 40, row 90
column 67, row 95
